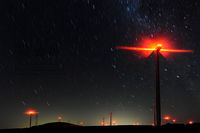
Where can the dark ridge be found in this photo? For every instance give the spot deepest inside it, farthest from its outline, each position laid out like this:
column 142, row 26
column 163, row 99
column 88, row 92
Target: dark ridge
column 56, row 125
column 68, row 127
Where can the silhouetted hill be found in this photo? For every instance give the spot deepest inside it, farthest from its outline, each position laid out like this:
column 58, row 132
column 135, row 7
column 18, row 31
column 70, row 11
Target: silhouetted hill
column 56, row 125
column 68, row 127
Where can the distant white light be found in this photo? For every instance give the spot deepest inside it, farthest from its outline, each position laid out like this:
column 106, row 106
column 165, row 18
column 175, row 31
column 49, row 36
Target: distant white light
column 23, row 103
column 93, row 7
column 114, row 66
column 111, row 49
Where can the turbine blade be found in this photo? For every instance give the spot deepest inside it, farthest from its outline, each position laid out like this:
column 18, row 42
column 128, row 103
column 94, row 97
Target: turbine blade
column 177, row 50
column 135, row 48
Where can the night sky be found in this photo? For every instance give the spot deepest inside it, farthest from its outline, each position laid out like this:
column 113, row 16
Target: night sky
column 60, row 58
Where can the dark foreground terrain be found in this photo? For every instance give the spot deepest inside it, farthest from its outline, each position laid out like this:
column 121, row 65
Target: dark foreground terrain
column 67, row 127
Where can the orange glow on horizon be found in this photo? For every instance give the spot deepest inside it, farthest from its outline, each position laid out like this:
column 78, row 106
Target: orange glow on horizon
column 114, row 122
column 136, row 124
column 104, row 123
column 81, row 123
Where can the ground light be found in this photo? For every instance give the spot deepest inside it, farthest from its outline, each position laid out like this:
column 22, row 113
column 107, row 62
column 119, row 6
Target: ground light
column 156, row 47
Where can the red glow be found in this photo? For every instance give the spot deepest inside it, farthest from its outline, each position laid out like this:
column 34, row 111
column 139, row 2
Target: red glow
column 114, row 122
column 136, row 124
column 147, row 46
column 135, row 48
column 155, row 43
column 104, row 124
column 166, row 118
column 159, row 45
column 176, row 50
column 152, row 49
column 191, row 122
column 59, row 118
column 174, row 120
column 31, row 112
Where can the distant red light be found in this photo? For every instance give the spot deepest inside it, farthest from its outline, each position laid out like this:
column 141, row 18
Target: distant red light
column 136, row 124
column 59, row 118
column 81, row 123
column 105, row 124
column 166, row 118
column 191, row 122
column 114, row 122
column 174, row 120
column 31, row 112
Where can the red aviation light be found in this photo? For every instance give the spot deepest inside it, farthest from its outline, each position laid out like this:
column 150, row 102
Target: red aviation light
column 174, row 120
column 59, row 118
column 31, row 112
column 149, row 46
column 166, row 118
column 191, row 122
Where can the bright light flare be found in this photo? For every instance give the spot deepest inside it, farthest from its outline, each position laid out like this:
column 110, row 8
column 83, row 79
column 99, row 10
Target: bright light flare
column 176, row 50
column 31, row 112
column 135, row 48
column 147, row 46
column 159, row 47
column 153, row 49
column 167, row 118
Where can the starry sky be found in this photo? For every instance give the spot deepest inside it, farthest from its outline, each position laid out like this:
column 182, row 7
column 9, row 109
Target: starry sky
column 60, row 58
